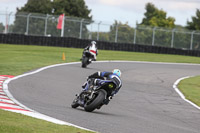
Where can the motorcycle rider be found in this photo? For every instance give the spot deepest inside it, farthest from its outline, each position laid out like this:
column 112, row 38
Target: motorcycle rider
column 97, row 78
column 92, row 48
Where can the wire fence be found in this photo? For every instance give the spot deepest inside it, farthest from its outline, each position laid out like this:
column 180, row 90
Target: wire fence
column 46, row 25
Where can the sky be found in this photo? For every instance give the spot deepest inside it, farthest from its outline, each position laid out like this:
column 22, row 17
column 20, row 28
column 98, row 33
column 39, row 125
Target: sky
column 130, row 11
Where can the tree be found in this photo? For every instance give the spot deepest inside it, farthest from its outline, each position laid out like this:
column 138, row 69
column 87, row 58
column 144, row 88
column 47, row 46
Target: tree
column 157, row 18
column 37, row 6
column 125, row 33
column 75, row 8
column 195, row 23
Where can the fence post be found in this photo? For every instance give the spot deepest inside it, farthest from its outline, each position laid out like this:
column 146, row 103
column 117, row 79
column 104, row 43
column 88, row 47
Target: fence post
column 27, row 24
column 6, row 23
column 98, row 30
column 63, row 26
column 153, row 37
column 45, row 30
column 172, row 41
column 9, row 21
column 81, row 28
column 191, row 43
column 116, row 33
column 135, row 34
column 90, row 34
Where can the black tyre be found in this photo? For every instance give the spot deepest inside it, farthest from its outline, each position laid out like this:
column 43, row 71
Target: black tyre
column 96, row 102
column 74, row 103
column 84, row 62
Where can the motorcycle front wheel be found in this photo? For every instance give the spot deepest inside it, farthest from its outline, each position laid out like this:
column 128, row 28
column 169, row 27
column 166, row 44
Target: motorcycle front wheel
column 75, row 103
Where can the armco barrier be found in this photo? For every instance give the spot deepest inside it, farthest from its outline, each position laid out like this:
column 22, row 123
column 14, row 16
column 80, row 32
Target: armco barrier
column 81, row 43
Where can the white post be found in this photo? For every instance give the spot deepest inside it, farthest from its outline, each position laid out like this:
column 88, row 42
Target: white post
column 191, row 43
column 9, row 22
column 90, row 35
column 172, row 41
column 6, row 24
column 98, row 30
column 63, row 26
column 45, row 30
column 81, row 27
column 135, row 34
column 27, row 24
column 116, row 33
column 153, row 37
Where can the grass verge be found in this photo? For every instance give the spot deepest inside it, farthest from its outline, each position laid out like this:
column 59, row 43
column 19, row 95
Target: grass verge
column 18, row 123
column 18, row 59
column 190, row 87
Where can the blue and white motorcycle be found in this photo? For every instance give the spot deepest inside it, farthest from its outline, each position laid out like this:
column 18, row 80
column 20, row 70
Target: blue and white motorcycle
column 95, row 96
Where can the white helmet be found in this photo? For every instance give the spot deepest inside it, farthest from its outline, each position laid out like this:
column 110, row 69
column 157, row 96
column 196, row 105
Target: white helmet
column 93, row 43
column 117, row 72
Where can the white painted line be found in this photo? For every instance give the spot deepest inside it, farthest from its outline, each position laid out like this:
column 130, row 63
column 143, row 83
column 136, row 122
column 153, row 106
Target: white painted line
column 181, row 94
column 9, row 105
column 2, row 93
column 3, row 97
column 146, row 62
column 34, row 113
column 6, row 101
column 44, row 117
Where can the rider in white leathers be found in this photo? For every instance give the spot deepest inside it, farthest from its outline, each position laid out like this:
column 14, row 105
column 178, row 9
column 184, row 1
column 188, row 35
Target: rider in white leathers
column 92, row 48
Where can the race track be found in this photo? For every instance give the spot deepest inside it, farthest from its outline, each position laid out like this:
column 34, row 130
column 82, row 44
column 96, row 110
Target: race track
column 146, row 103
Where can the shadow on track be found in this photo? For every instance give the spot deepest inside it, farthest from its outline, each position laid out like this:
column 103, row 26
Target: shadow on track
column 97, row 112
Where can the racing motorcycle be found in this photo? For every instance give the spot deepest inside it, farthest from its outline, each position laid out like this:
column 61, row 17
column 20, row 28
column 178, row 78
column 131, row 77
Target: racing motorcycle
column 87, row 58
column 95, row 96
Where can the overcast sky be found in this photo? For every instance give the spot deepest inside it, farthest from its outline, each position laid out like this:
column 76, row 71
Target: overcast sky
column 129, row 11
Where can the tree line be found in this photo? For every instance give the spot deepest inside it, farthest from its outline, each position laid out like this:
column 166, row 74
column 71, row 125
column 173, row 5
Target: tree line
column 153, row 17
column 78, row 8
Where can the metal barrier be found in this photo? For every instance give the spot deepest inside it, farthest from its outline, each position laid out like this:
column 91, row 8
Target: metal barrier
column 45, row 25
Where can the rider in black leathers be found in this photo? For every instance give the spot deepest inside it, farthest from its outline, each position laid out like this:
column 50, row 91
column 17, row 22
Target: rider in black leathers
column 96, row 79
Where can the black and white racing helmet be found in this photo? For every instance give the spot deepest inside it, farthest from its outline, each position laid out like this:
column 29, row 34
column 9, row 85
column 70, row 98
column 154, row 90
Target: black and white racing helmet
column 93, row 42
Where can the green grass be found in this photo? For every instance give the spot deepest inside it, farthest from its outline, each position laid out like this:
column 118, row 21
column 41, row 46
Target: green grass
column 18, row 59
column 137, row 56
column 18, row 123
column 190, row 87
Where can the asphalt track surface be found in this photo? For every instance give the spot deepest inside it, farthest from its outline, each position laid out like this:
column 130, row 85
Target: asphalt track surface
column 146, row 103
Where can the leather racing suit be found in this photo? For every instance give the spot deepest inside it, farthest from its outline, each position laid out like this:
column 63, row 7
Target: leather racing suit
column 97, row 78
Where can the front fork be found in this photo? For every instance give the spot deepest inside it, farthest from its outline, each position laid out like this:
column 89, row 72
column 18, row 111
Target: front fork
column 84, row 96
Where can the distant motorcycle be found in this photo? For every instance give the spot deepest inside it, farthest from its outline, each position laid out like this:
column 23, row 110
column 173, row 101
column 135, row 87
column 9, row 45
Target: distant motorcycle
column 87, row 58
column 95, row 97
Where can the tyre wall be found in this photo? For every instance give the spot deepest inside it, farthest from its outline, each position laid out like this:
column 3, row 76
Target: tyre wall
column 81, row 43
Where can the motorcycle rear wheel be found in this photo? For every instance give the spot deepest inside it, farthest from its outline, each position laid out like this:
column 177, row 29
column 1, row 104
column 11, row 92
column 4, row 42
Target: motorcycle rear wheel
column 97, row 101
column 84, row 62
